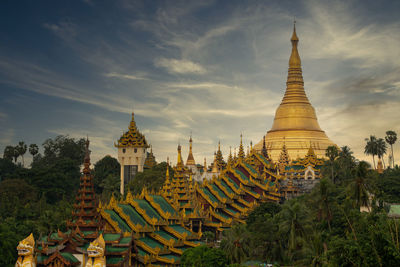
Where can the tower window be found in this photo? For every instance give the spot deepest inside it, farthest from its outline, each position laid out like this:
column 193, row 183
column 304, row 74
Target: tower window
column 123, row 150
column 135, row 150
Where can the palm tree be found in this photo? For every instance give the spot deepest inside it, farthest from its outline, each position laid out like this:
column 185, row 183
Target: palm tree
column 236, row 243
column 332, row 153
column 359, row 187
column 381, row 149
column 9, row 153
column 33, row 149
column 294, row 226
column 391, row 138
column 371, row 148
column 324, row 204
column 21, row 148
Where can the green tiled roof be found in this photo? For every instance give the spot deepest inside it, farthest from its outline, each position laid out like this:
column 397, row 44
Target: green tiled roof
column 165, row 235
column 227, row 187
column 115, row 217
column 170, row 256
column 116, row 249
column 254, row 172
column 113, row 260
column 111, row 237
column 151, row 242
column 222, row 215
column 180, row 229
column 69, row 257
column 142, row 252
column 163, row 204
column 231, row 210
column 125, row 240
column 244, row 177
column 133, row 215
column 222, row 195
column 208, row 193
column 148, row 208
column 263, row 159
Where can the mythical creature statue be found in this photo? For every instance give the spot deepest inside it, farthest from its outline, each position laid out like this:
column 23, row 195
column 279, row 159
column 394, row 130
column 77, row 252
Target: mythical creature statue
column 96, row 252
column 26, row 250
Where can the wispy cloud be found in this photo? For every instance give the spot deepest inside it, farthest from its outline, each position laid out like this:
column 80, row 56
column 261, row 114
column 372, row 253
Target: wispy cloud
column 125, row 76
column 180, row 66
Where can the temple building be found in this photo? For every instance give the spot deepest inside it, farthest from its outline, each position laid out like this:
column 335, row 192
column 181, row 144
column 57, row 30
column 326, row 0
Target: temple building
column 132, row 154
column 295, row 124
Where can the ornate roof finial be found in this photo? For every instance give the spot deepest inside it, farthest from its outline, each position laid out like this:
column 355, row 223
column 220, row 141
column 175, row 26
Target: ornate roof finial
column 167, row 172
column 179, row 163
column 205, row 164
column 190, row 158
column 241, row 154
column 86, row 162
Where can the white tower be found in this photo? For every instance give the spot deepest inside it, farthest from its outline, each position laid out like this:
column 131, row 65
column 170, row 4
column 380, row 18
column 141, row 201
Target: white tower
column 132, row 147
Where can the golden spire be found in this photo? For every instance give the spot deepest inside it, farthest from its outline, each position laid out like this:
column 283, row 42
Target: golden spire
column 190, row 158
column 241, row 154
column 230, row 158
column 295, row 118
column 167, row 174
column 295, row 85
column 179, row 163
column 205, row 164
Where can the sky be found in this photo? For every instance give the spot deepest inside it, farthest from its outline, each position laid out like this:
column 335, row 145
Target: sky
column 215, row 69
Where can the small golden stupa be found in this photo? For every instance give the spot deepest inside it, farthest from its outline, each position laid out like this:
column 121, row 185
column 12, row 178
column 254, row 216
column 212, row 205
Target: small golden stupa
column 295, row 125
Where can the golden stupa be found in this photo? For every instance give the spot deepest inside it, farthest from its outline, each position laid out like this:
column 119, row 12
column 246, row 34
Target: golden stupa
column 295, row 123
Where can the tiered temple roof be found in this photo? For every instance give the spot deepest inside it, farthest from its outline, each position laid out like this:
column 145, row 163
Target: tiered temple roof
column 70, row 248
column 132, row 138
column 150, row 161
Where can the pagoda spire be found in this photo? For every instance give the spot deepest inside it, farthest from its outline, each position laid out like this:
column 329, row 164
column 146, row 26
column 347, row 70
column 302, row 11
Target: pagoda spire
column 241, row 154
column 167, row 172
column 84, row 214
column 190, row 158
column 205, row 165
column 179, row 163
column 230, row 158
column 295, row 85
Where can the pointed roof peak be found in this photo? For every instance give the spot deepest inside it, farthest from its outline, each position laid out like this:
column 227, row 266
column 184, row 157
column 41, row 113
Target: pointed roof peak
column 294, row 35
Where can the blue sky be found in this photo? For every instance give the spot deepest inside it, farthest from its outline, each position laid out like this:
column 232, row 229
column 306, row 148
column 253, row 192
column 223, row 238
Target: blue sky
column 213, row 68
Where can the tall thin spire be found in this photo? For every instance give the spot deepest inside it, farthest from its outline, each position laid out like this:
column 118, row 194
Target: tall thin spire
column 190, row 158
column 295, row 84
column 167, row 172
column 179, row 163
column 241, row 154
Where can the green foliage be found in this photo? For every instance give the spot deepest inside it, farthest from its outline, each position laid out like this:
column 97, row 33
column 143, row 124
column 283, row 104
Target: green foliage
column 389, row 185
column 107, row 177
column 237, row 243
column 152, row 178
column 204, row 256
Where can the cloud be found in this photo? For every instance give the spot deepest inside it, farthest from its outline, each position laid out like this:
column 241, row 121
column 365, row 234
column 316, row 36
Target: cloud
column 125, row 76
column 181, row 66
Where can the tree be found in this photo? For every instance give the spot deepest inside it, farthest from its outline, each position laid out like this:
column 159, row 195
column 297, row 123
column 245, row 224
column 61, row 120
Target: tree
column 152, row 178
column 371, row 148
column 21, row 148
column 33, row 149
column 236, row 242
column 391, row 138
column 106, row 168
column 204, row 256
column 359, row 187
column 381, row 149
column 332, row 153
column 9, row 152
